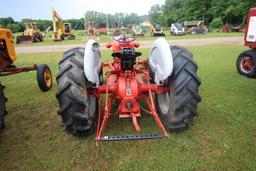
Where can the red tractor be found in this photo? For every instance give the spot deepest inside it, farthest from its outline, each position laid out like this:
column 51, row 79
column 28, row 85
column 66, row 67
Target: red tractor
column 246, row 61
column 167, row 81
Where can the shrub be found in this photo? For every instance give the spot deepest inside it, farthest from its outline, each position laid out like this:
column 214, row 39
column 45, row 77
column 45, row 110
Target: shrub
column 216, row 23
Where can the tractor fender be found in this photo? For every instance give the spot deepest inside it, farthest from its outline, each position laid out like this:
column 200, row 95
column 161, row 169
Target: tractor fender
column 160, row 60
column 92, row 62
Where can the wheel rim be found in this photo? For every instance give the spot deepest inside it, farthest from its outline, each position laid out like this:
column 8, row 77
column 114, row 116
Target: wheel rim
column 246, row 65
column 164, row 102
column 47, row 77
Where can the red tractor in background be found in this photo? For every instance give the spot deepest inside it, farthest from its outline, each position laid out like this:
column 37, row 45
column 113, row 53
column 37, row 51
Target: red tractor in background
column 167, row 81
column 246, row 61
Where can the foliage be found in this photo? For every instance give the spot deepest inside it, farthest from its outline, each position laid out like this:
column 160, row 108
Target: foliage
column 119, row 19
column 156, row 14
column 79, row 23
column 229, row 11
column 15, row 27
column 42, row 24
column 216, row 23
column 6, row 21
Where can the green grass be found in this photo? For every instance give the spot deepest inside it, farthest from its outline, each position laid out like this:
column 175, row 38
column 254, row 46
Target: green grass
column 223, row 136
column 105, row 38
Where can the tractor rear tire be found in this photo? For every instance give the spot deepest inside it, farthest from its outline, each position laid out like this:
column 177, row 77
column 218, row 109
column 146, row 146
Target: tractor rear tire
column 44, row 77
column 178, row 107
column 3, row 111
column 246, row 63
column 77, row 109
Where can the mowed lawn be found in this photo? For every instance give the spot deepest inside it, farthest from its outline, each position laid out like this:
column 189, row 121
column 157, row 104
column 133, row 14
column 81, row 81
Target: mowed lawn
column 223, row 136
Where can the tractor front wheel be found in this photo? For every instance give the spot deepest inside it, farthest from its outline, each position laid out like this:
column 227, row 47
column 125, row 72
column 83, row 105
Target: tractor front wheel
column 77, row 109
column 3, row 111
column 44, row 77
column 246, row 63
column 178, row 107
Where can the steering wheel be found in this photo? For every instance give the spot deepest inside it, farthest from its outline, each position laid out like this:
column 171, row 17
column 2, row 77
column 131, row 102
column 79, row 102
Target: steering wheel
column 124, row 35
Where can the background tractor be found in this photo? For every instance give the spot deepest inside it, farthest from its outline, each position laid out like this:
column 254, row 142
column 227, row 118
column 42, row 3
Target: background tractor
column 156, row 30
column 246, row 61
column 102, row 29
column 232, row 28
column 92, row 30
column 61, row 30
column 167, row 81
column 177, row 29
column 138, row 30
column 7, row 67
column 31, row 34
column 195, row 27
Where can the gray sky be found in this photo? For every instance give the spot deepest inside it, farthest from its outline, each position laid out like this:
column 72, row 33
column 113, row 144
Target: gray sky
column 37, row 9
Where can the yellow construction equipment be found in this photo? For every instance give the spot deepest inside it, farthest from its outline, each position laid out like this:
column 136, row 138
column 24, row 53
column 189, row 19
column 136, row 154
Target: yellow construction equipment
column 31, row 34
column 46, row 31
column 156, row 30
column 7, row 67
column 92, row 31
column 61, row 30
column 137, row 30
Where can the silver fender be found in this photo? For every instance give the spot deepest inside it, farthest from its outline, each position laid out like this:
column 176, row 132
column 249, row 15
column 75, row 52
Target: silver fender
column 160, row 60
column 92, row 62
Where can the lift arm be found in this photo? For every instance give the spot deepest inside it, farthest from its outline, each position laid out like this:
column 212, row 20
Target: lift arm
column 57, row 22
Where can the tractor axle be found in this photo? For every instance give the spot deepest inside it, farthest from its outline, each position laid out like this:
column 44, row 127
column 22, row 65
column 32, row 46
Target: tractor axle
column 127, row 88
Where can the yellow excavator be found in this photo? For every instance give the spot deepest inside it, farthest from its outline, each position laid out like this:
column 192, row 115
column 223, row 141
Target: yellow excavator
column 31, row 34
column 61, row 30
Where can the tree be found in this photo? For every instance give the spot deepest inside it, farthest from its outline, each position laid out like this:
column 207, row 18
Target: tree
column 156, row 13
column 5, row 21
column 14, row 27
column 233, row 12
column 120, row 19
column 216, row 11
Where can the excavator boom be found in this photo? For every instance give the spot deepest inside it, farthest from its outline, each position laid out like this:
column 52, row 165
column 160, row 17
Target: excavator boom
column 61, row 30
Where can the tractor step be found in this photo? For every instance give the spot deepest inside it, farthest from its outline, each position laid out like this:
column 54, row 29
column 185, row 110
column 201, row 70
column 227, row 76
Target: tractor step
column 131, row 137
